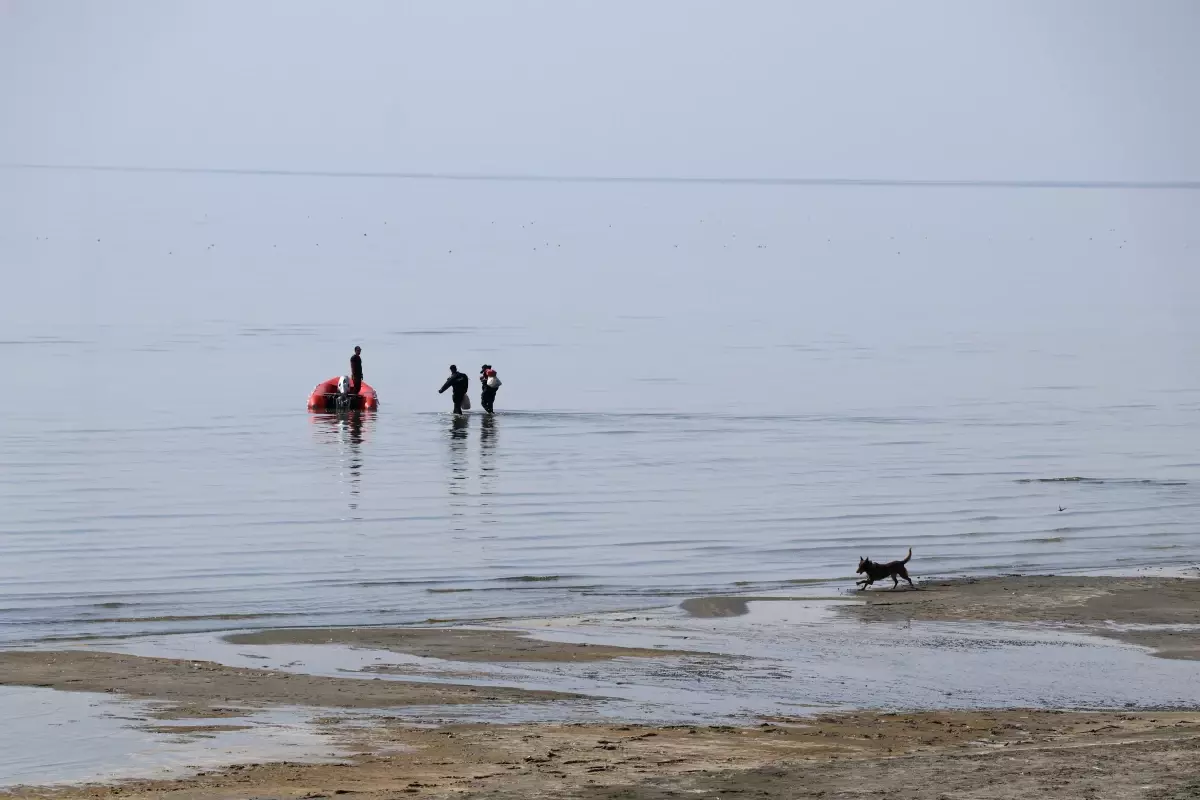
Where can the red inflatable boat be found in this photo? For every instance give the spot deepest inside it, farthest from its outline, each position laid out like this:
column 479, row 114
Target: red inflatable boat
column 326, row 397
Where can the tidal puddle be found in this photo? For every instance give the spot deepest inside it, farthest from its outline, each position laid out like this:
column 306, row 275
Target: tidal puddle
column 789, row 654
column 755, row 656
column 53, row 737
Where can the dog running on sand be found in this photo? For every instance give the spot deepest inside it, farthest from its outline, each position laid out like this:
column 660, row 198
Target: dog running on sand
column 877, row 572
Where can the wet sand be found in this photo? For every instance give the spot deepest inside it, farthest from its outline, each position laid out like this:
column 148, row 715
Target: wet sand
column 1095, row 604
column 1008, row 754
column 1157, row 601
column 453, row 644
column 207, row 689
column 1004, row 754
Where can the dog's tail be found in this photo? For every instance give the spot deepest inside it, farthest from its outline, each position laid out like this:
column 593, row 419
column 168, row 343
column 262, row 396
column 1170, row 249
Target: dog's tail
column 907, row 557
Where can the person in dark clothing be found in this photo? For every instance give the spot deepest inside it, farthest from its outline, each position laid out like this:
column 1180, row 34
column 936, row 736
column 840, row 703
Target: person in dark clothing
column 485, row 399
column 491, row 385
column 457, row 383
column 356, row 375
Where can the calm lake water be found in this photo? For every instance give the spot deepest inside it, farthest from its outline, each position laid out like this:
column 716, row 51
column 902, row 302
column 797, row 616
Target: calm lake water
column 703, row 387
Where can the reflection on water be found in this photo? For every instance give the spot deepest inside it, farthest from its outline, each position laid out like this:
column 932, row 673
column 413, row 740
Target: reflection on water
column 487, row 466
column 458, row 472
column 67, row 737
column 487, row 435
column 471, row 487
column 347, row 430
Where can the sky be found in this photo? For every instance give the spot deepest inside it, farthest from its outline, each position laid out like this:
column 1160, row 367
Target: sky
column 1093, row 90
column 924, row 89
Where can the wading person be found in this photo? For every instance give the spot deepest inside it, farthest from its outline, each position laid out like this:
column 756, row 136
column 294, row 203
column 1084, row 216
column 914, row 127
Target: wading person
column 491, row 385
column 457, row 383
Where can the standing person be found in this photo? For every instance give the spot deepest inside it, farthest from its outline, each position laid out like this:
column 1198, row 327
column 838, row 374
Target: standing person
column 356, row 374
column 458, row 384
column 483, row 387
column 491, row 385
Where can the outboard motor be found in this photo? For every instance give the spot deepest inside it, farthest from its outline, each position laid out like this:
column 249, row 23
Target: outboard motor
column 344, row 398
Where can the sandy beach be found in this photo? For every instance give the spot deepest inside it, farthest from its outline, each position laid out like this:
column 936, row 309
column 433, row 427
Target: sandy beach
column 946, row 752
column 984, row 754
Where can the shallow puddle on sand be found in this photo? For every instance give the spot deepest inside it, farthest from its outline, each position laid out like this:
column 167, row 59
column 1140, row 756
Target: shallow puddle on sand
column 762, row 608
column 785, row 655
column 73, row 737
column 800, row 655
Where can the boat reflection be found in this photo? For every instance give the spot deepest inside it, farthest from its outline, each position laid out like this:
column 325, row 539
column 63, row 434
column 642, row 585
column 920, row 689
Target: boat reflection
column 347, row 430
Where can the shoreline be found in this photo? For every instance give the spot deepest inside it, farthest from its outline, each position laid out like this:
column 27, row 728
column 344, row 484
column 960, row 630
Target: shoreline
column 386, row 697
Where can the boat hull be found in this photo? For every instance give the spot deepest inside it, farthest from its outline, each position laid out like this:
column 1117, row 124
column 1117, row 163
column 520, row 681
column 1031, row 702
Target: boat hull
column 325, row 397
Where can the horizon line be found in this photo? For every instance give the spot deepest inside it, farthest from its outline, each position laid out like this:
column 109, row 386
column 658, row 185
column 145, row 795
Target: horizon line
column 948, row 183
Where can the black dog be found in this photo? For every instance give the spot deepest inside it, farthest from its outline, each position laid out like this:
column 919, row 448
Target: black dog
column 877, row 572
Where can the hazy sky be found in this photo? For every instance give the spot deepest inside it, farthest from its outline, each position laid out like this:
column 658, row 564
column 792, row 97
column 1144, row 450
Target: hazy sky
column 1074, row 89
column 1089, row 90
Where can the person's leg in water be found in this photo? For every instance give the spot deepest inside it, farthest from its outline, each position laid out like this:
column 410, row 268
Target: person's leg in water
column 458, row 403
column 487, row 398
